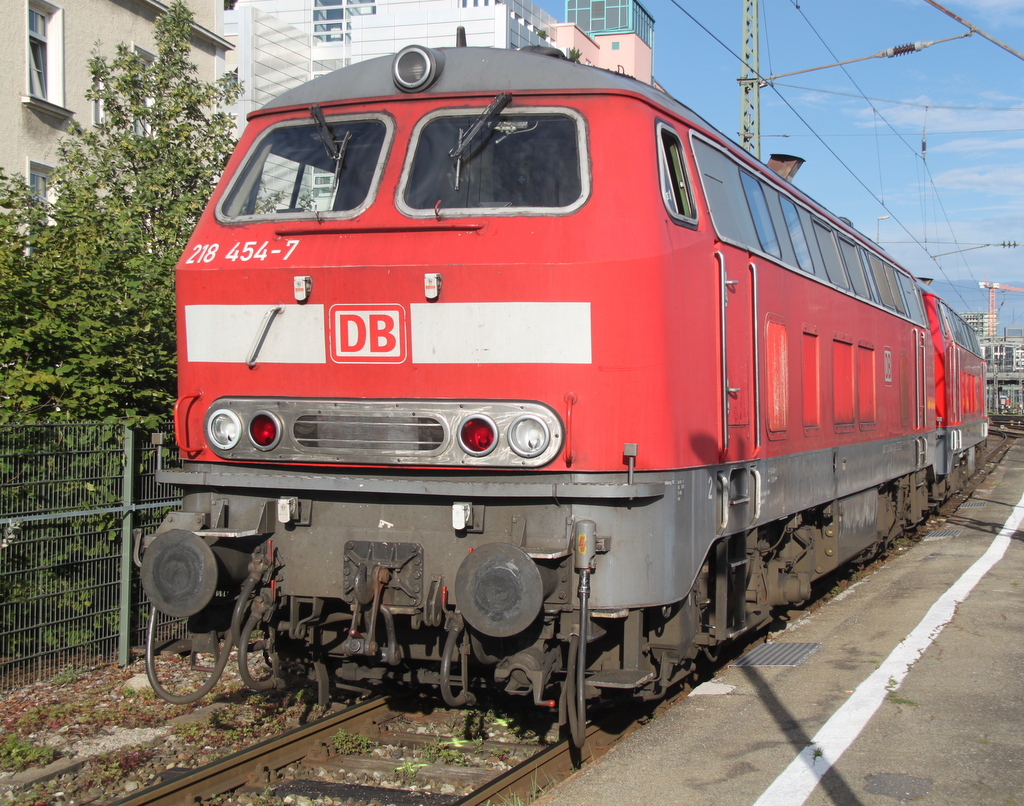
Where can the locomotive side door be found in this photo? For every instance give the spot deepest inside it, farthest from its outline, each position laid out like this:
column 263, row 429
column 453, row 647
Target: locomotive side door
column 738, row 344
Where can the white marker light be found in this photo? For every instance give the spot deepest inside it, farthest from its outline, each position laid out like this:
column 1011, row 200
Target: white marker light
column 462, row 515
column 431, row 285
column 302, row 286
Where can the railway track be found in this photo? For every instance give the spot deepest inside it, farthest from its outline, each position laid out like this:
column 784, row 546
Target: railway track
column 278, row 765
column 259, row 764
column 1007, row 423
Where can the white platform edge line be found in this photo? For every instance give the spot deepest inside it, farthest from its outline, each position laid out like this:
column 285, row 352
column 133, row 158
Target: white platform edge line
column 799, row 779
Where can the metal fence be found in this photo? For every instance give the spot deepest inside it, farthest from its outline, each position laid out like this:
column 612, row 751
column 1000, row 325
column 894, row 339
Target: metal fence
column 70, row 495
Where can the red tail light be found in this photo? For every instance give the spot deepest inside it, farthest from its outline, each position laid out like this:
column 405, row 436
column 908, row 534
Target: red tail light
column 478, row 435
column 264, row 430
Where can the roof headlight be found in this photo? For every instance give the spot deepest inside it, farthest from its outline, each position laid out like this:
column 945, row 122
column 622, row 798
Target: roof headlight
column 415, row 68
column 224, row 428
column 529, row 436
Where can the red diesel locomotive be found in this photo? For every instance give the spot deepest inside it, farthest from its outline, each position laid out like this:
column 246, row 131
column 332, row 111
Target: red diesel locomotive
column 497, row 370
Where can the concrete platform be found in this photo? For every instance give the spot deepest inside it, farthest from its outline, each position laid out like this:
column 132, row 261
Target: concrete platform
column 915, row 694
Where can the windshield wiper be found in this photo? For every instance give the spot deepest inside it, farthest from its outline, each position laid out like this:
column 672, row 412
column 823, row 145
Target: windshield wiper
column 479, row 133
column 335, row 150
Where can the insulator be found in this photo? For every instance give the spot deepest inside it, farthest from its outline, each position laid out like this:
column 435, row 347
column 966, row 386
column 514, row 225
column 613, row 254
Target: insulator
column 901, row 50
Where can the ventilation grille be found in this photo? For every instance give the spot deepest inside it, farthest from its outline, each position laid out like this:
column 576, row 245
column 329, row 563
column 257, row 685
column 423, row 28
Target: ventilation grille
column 372, row 431
column 777, row 655
column 939, row 534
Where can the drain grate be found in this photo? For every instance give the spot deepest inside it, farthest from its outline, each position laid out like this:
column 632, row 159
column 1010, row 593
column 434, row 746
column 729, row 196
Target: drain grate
column 938, row 534
column 973, row 504
column 777, row 655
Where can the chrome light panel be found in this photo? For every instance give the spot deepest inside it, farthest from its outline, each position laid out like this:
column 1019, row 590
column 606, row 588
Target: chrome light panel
column 387, row 432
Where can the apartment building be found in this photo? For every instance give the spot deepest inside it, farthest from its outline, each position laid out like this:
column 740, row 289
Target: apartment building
column 44, row 54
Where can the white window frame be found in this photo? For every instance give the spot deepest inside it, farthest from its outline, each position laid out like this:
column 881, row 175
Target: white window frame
column 43, row 171
column 142, row 127
column 51, row 97
column 99, row 114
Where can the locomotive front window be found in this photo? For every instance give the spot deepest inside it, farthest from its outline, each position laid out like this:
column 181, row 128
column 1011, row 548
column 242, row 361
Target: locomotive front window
column 521, row 160
column 303, row 170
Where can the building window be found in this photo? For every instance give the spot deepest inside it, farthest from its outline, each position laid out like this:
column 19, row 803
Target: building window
column 143, row 126
column 39, row 181
column 98, row 114
column 45, row 57
column 37, row 53
column 332, row 18
column 615, row 45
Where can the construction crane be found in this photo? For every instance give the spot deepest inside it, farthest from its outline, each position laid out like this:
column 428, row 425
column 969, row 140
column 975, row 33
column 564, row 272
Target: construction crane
column 992, row 288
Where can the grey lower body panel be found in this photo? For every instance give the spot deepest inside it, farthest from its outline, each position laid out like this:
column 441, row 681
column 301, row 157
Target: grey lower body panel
column 661, row 524
column 952, row 442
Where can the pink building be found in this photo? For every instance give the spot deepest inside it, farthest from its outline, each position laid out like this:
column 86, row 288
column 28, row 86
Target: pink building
column 617, row 35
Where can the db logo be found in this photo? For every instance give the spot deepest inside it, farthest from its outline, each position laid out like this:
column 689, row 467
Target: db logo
column 370, row 334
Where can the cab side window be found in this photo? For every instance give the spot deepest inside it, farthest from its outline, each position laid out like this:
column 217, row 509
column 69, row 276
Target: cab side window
column 675, row 185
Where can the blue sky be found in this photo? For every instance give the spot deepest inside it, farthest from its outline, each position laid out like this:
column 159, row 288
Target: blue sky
column 967, row 96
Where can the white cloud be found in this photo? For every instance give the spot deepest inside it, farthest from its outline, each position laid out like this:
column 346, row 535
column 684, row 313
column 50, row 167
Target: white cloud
column 990, row 180
column 977, row 146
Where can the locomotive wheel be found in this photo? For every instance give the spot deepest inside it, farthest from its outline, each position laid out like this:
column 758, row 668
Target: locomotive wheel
column 187, row 676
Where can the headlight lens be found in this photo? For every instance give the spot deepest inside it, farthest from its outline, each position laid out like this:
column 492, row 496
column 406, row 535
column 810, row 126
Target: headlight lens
column 224, row 429
column 264, row 430
column 415, row 68
column 478, row 435
column 528, row 436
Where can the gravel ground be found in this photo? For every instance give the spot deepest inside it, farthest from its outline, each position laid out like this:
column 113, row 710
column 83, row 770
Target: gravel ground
column 92, row 736
column 95, row 735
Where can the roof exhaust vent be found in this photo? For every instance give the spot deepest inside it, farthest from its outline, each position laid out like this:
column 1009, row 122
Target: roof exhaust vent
column 785, row 165
column 460, row 37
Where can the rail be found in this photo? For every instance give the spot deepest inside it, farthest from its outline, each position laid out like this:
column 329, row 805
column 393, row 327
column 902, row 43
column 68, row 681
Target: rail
column 258, row 763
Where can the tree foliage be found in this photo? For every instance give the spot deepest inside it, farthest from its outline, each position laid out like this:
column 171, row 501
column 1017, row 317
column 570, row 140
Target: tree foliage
column 86, row 280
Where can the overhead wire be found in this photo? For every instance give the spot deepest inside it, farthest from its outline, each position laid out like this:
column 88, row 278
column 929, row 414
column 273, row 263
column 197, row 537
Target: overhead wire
column 903, row 134
column 821, row 140
column 921, row 155
column 905, row 103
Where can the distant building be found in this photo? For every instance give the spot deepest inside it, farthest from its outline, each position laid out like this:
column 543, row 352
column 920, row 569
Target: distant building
column 45, row 48
column 622, row 30
column 978, row 321
column 283, row 43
